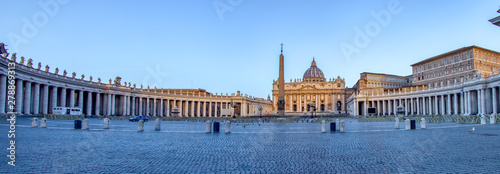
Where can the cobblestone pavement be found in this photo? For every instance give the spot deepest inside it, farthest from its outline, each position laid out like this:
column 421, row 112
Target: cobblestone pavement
column 184, row 147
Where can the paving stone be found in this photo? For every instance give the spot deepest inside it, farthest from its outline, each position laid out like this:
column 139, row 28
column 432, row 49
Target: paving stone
column 184, row 147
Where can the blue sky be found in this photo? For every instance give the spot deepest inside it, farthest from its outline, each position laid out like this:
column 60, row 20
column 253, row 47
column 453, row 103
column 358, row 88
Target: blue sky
column 226, row 46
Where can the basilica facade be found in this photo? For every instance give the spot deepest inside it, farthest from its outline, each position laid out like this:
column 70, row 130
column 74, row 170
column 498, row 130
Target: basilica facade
column 313, row 91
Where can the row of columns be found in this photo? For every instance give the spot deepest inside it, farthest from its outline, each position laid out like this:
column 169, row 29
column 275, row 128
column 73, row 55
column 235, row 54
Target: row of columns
column 36, row 98
column 301, row 102
column 188, row 108
column 470, row 102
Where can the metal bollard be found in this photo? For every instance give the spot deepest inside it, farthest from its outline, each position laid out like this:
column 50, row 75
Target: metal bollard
column 106, row 123
column 216, row 127
column 407, row 121
column 492, row 119
column 483, row 120
column 422, row 123
column 157, row 124
column 342, row 126
column 34, row 122
column 85, row 124
column 333, row 127
column 209, row 126
column 140, row 126
column 323, row 126
column 228, row 126
column 43, row 123
column 396, row 126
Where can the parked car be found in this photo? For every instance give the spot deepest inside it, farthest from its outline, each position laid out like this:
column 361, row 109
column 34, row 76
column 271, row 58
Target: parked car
column 137, row 118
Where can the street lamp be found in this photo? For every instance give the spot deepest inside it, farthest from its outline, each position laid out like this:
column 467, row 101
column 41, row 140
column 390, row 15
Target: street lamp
column 312, row 108
column 234, row 105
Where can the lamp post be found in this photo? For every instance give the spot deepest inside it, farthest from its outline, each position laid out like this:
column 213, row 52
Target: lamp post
column 312, row 107
column 234, row 105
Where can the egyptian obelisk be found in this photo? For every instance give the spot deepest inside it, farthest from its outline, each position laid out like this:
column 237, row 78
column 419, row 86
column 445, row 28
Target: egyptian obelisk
column 281, row 86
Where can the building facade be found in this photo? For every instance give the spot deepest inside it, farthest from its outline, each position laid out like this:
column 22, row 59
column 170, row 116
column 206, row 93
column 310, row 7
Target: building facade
column 37, row 91
column 464, row 81
column 456, row 66
column 314, row 91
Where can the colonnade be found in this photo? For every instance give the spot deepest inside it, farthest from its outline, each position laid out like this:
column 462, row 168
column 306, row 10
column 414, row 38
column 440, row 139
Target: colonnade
column 322, row 101
column 38, row 92
column 478, row 97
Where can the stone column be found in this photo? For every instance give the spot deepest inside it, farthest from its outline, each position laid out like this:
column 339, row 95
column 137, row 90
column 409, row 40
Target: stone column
column 430, row 106
column 19, row 96
column 113, row 104
column 192, row 108
column 89, row 102
column 53, row 99
column 105, row 99
column 469, row 103
column 210, row 108
column 424, row 111
column 72, row 98
column 417, row 104
column 181, row 108
column 127, row 98
column 244, row 108
column 406, row 106
column 299, row 102
column 383, row 107
column 140, row 106
column 27, row 98
column 125, row 106
column 97, row 103
column 365, row 107
column 181, row 111
column 186, row 108
column 466, row 103
column 478, row 96
column 442, row 105
column 394, row 106
column 462, row 105
column 389, row 107
column 167, row 110
column 203, row 109
column 45, row 102
column 455, row 104
column 80, row 100
column 36, row 99
column 161, row 107
column 109, row 104
column 154, row 107
column 3, row 93
column 412, row 106
column 198, row 109
column 494, row 99
column 147, row 106
column 448, row 104
column 132, row 106
column 62, row 98
column 483, row 101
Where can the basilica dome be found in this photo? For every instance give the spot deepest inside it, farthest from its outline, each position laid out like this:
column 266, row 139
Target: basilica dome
column 314, row 72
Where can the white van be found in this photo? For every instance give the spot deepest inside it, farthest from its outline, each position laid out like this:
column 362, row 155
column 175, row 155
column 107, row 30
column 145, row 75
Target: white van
column 66, row 111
